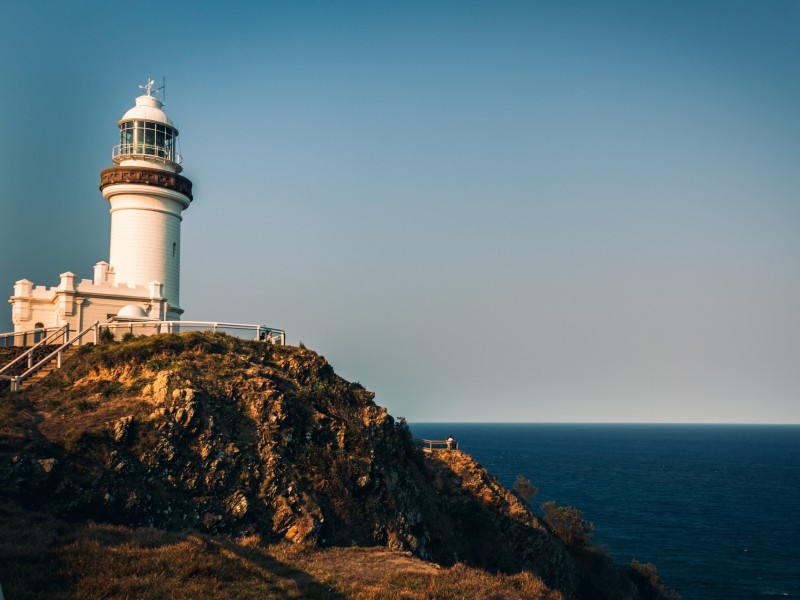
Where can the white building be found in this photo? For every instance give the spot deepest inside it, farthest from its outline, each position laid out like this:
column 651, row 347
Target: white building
column 147, row 196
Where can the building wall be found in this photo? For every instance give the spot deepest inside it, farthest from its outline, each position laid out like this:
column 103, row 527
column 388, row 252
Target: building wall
column 81, row 303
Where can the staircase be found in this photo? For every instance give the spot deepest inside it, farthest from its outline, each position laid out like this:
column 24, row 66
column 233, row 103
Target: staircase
column 48, row 368
column 50, row 362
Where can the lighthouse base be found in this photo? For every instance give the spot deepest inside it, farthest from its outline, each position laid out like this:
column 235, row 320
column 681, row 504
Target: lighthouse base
column 80, row 303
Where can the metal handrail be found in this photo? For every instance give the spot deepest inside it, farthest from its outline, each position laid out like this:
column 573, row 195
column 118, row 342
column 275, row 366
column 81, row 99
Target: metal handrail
column 16, row 381
column 63, row 330
column 260, row 332
column 15, row 335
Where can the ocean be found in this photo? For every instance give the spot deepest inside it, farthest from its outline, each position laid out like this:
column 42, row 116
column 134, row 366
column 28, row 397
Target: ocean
column 716, row 508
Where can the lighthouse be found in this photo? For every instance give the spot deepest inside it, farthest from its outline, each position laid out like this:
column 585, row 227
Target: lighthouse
column 137, row 291
column 147, row 196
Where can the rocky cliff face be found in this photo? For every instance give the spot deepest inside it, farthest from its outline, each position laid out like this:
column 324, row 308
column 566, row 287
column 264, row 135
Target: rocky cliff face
column 222, row 435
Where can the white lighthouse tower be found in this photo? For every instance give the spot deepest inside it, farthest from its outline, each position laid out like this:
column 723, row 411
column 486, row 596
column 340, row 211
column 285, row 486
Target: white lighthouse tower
column 147, row 196
column 138, row 289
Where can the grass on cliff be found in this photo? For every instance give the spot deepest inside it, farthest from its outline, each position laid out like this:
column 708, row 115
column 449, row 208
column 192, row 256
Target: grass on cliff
column 41, row 557
column 107, row 380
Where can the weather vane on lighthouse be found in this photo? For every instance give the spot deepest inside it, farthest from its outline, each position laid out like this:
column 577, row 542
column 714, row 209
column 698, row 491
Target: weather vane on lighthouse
column 149, row 87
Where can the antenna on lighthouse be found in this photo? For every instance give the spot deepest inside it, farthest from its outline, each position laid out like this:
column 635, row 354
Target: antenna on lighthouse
column 162, row 90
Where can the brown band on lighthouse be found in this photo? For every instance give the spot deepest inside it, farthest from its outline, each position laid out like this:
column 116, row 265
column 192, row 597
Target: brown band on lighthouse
column 145, row 176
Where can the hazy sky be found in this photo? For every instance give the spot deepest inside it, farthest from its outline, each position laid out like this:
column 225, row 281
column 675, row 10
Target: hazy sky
column 502, row 211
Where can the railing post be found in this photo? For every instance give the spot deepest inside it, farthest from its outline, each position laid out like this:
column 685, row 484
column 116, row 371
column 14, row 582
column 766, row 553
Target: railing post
column 58, row 361
column 96, row 331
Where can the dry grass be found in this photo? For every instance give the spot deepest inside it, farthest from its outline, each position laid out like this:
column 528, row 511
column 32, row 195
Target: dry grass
column 45, row 558
column 41, row 557
column 378, row 573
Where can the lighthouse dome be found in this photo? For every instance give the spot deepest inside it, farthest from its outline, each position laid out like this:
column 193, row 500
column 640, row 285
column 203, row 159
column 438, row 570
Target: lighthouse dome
column 148, row 108
column 131, row 311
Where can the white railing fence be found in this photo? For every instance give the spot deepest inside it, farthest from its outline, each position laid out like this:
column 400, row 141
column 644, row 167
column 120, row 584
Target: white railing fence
column 245, row 331
column 37, row 348
column 431, row 445
column 29, row 337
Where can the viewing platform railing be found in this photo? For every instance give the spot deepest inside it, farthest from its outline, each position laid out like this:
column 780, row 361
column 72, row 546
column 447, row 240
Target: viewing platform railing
column 240, row 330
column 431, row 445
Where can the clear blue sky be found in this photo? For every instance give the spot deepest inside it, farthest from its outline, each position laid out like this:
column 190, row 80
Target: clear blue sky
column 498, row 211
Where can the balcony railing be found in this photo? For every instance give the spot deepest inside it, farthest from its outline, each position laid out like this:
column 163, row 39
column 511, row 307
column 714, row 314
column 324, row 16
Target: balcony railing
column 136, row 150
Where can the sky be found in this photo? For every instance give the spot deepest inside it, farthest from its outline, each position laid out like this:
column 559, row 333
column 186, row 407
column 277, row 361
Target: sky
column 482, row 211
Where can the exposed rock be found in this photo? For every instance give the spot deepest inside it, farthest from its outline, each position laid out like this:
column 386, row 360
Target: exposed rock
column 121, row 429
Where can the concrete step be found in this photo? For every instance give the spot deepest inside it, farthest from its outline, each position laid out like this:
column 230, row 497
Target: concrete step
column 45, row 370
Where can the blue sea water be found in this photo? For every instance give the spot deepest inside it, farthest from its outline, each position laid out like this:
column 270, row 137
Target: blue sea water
column 715, row 507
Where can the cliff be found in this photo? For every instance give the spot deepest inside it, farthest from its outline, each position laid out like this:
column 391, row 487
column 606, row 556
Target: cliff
column 246, row 440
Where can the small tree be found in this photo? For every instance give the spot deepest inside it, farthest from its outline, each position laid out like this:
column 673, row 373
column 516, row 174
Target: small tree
column 650, row 585
column 567, row 523
column 524, row 488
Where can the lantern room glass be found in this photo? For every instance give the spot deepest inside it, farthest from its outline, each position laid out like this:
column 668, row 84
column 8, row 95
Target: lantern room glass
column 148, row 138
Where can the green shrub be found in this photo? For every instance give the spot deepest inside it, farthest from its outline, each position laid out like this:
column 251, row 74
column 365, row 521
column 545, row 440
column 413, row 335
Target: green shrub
column 105, row 337
column 84, row 405
column 567, row 523
column 650, row 585
column 157, row 363
column 524, row 488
